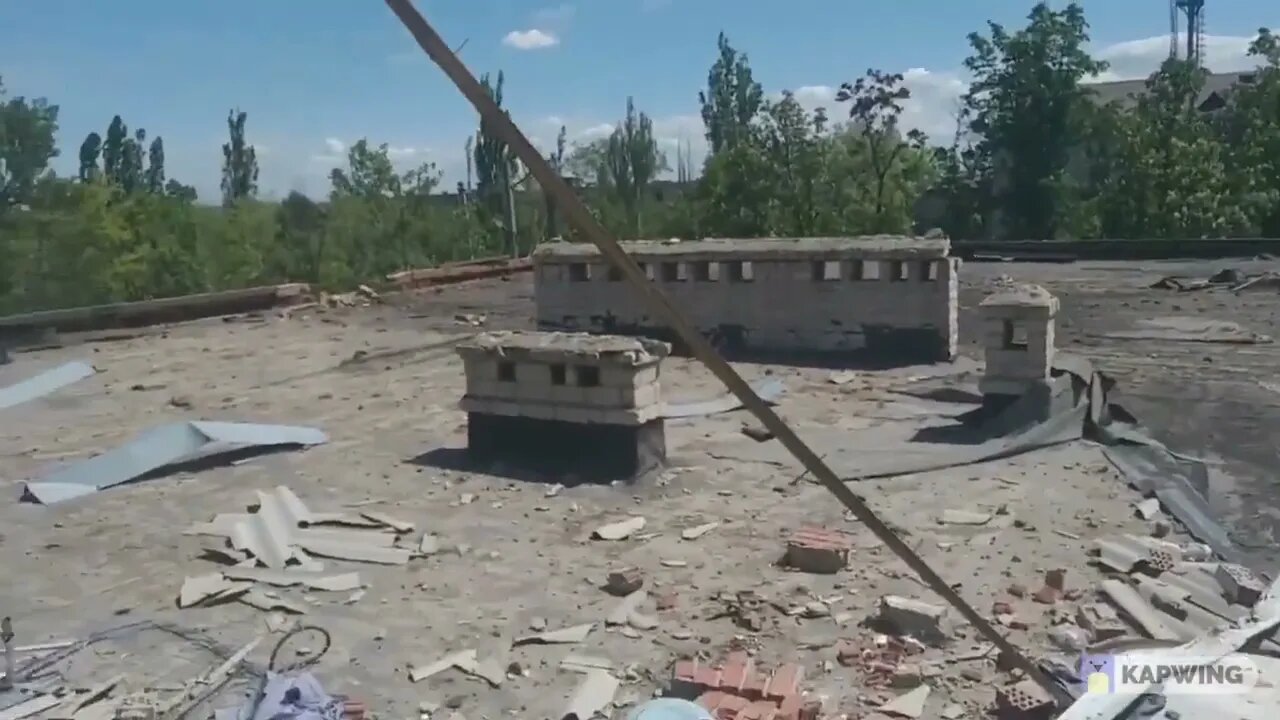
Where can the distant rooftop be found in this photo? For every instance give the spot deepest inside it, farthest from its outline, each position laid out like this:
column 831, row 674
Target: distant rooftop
column 1212, row 95
column 895, row 247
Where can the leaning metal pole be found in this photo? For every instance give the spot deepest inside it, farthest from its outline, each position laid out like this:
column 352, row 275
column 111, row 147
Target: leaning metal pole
column 578, row 215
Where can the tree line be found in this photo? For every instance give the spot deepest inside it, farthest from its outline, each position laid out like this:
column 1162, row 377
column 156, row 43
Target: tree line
column 1037, row 153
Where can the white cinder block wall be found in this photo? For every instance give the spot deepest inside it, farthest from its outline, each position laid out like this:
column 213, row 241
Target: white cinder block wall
column 809, row 294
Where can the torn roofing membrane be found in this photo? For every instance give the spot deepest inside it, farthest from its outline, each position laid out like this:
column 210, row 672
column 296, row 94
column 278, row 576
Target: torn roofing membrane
column 161, row 447
column 769, row 390
column 46, row 382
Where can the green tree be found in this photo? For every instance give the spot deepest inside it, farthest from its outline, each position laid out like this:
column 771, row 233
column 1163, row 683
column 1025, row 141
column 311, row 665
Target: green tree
column 633, row 160
column 1253, row 132
column 27, row 131
column 113, row 149
column 557, row 160
column 875, row 109
column 732, row 99
column 90, row 151
column 155, row 182
column 1164, row 174
column 132, row 169
column 1027, row 107
column 239, row 162
column 496, row 171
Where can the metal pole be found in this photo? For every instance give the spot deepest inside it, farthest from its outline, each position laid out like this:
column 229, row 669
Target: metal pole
column 578, row 215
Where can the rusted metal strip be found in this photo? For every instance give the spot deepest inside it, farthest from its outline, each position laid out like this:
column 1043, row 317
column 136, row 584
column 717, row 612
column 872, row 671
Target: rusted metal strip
column 581, row 219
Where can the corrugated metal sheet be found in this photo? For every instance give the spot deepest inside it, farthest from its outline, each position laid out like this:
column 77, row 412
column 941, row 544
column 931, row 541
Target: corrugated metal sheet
column 1260, row 703
column 161, row 447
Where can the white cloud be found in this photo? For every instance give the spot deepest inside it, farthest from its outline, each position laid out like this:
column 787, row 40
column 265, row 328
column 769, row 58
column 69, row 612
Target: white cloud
column 1136, row 59
column 336, row 146
column 533, row 39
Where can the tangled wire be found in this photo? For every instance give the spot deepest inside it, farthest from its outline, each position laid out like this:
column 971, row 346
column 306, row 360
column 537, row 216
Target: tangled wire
column 243, row 670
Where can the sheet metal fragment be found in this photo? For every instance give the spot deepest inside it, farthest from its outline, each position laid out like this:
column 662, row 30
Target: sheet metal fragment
column 45, row 383
column 162, row 447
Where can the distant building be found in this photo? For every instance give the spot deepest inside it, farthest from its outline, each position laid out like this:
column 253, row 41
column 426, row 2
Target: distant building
column 1213, row 96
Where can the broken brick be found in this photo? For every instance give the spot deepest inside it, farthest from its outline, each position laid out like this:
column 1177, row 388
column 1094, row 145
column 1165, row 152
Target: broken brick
column 1017, row 590
column 624, row 582
column 1001, row 607
column 735, row 671
column 1239, row 584
column 848, row 653
column 1101, row 621
column 818, row 550
column 785, row 682
column 1056, row 579
column 1023, row 701
column 1047, row 595
column 753, row 688
column 810, row 710
column 706, row 678
column 914, row 618
column 666, row 601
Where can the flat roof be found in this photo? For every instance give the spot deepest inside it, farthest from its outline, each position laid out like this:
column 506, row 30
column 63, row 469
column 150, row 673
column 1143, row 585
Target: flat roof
column 555, row 346
column 899, row 247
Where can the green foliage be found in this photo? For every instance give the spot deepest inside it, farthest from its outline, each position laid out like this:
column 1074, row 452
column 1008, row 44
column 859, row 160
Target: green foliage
column 732, row 99
column 1027, row 105
column 27, row 129
column 239, row 162
column 1034, row 156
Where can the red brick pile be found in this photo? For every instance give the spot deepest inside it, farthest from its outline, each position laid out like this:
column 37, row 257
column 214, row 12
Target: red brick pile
column 735, row 689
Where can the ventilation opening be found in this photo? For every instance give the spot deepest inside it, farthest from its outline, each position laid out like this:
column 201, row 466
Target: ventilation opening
column 741, row 271
column 706, row 271
column 506, row 372
column 559, row 373
column 826, row 270
column 865, row 270
column 670, row 272
column 898, row 271
column 1015, row 336
column 588, row 376
column 579, row 272
column 929, row 271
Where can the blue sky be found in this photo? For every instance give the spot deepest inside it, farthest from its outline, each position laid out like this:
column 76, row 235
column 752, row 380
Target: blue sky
column 317, row 75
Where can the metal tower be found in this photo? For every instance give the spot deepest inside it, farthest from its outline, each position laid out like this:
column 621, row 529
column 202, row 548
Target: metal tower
column 1194, row 11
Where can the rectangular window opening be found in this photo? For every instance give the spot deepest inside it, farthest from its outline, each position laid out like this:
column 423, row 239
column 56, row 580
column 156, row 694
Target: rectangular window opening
column 670, row 272
column 929, row 271
column 506, row 371
column 706, row 271
column 826, row 270
column 579, row 272
column 741, row 271
column 588, row 375
column 866, row 270
column 898, row 271
column 559, row 373
column 1015, row 336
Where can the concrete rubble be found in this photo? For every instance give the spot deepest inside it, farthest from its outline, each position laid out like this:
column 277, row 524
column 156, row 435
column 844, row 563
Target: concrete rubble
column 442, row 590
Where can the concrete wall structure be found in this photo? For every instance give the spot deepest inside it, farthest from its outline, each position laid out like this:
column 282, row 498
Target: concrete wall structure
column 1018, row 335
column 566, row 402
column 883, row 295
